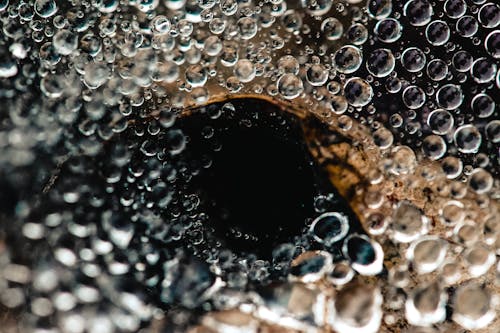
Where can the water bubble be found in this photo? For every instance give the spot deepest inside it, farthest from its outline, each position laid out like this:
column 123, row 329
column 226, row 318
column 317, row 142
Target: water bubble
column 332, row 28
column 247, row 27
column 413, row 97
column 160, row 25
column 483, row 70
column 427, row 253
column 467, row 26
column 418, row 12
column 358, row 92
column 357, row 34
column 455, row 8
column 467, row 139
column 290, row 86
column 244, row 70
column 317, row 75
column 426, row 305
column 288, row 64
column 483, row 105
column 437, row 69
column 449, row 96
column 413, row 59
column 317, row 7
column 310, row 266
column 379, row 9
column 437, row 32
column 388, row 30
column 408, row 223
column 492, row 131
column 480, row 181
column 65, row 42
column 380, row 62
column 329, row 228
column 434, row 147
column 473, row 306
column 196, row 75
column 365, row 254
column 45, row 8
column 462, row 61
column 348, row 59
column 492, row 44
column 489, row 15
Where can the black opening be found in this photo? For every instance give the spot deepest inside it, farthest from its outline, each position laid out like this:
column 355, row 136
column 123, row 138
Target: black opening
column 261, row 181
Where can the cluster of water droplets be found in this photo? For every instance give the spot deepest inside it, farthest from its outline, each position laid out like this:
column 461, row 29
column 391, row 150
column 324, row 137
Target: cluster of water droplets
column 96, row 87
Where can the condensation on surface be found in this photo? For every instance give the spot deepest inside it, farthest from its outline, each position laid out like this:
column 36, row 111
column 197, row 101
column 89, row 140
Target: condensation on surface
column 92, row 154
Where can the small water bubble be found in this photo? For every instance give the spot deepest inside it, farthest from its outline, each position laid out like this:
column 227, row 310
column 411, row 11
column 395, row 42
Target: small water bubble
column 413, row 97
column 467, row 139
column 358, row 92
column 244, row 70
column 329, row 228
column 380, row 62
column 483, row 70
column 489, row 15
column 45, row 8
column 408, row 223
column 413, row 59
column 332, row 28
column 388, row 30
column 449, row 96
column 437, row 32
column 467, row 26
column 418, row 12
column 473, row 306
column 492, row 44
column 290, row 86
column 455, row 8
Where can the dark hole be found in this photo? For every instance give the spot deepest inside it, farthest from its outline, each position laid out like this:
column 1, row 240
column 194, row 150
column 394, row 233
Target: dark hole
column 262, row 181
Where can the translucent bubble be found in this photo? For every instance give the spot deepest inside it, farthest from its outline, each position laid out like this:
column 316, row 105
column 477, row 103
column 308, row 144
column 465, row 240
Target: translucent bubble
column 380, row 62
column 408, row 223
column 3, row 5
column 317, row 75
column 403, row 160
column 467, row 26
column 357, row 34
column 366, row 255
column 329, row 228
column 247, row 27
column 160, row 25
column 65, row 42
column 455, row 8
column 473, row 306
column 437, row 70
column 358, row 92
column 228, row 7
column 348, row 59
column 290, row 86
column 413, row 97
column 492, row 44
column 45, row 8
column 462, row 61
column 317, row 7
column 342, row 273
column 338, row 104
column 418, row 12
column 388, row 30
column 244, row 70
column 426, row 305
column 452, row 167
column 437, row 32
column 483, row 105
column 413, row 59
column 310, row 266
column 440, row 121
column 434, row 147
column 483, row 70
column 480, row 181
column 489, row 15
column 288, row 64
column 467, row 139
column 379, row 9
column 449, row 96
column 383, row 138
column 292, row 21
column 196, row 75
column 427, row 253
column 95, row 75
column 332, row 28
column 492, row 131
